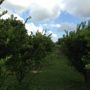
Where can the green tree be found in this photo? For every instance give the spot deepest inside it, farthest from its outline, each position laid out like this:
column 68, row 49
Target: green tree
column 41, row 45
column 19, row 51
column 12, row 42
column 76, row 45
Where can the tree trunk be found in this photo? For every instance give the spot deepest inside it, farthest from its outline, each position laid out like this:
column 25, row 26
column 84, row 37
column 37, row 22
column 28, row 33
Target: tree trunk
column 87, row 76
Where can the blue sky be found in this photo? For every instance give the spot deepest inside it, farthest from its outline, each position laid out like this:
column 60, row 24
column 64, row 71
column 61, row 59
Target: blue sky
column 54, row 16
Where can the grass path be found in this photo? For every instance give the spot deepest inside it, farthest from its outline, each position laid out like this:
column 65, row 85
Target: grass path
column 57, row 75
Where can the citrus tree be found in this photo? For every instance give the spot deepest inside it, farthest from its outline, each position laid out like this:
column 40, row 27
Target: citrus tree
column 76, row 45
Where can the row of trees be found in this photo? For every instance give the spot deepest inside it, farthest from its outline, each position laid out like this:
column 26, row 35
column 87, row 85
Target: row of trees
column 76, row 45
column 20, row 52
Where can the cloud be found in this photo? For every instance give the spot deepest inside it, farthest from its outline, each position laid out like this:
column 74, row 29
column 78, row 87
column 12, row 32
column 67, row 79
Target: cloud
column 60, row 26
column 21, row 3
column 31, row 27
column 54, row 36
column 48, row 9
column 11, row 7
column 51, row 25
column 77, row 7
column 38, row 9
column 67, row 26
column 8, row 15
column 42, row 10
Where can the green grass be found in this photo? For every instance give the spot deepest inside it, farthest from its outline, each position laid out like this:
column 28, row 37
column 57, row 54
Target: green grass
column 57, row 75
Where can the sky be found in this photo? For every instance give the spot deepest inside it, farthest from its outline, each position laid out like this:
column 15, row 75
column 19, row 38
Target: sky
column 54, row 16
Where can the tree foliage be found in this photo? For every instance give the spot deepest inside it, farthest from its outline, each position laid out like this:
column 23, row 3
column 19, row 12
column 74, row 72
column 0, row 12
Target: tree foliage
column 76, row 45
column 20, row 52
column 41, row 46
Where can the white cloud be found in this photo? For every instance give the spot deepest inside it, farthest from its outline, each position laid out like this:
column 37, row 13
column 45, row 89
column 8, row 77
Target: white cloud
column 48, row 9
column 68, row 26
column 38, row 9
column 8, row 15
column 43, row 10
column 12, row 7
column 77, row 7
column 54, row 36
column 32, row 27
column 54, row 25
column 61, row 27
column 21, row 3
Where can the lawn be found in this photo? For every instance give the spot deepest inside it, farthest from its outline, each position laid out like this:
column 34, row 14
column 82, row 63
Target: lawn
column 57, row 74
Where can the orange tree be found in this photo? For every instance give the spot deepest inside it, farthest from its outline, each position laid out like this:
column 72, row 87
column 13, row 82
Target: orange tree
column 19, row 51
column 76, row 45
